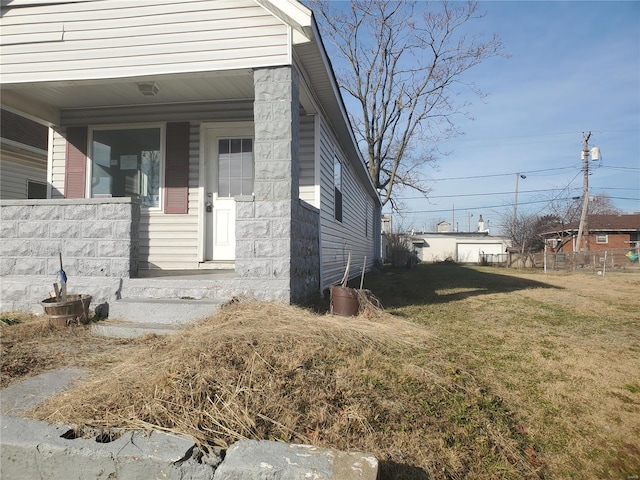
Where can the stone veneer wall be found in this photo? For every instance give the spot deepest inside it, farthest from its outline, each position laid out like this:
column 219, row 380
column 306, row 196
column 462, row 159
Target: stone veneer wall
column 97, row 237
column 305, row 253
column 271, row 228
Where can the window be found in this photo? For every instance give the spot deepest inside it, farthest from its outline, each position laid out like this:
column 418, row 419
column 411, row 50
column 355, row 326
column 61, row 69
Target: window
column 600, row 238
column 337, row 187
column 36, row 189
column 366, row 222
column 235, row 167
column 126, row 163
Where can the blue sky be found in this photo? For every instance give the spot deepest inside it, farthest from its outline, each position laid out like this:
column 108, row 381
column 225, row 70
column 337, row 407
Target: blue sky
column 574, row 68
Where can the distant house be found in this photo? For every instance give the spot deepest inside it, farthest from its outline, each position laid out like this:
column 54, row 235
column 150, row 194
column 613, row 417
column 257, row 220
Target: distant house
column 444, row 226
column 23, row 157
column 605, row 232
column 460, row 247
column 217, row 127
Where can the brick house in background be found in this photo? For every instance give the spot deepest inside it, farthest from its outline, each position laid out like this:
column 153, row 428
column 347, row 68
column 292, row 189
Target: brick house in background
column 606, row 232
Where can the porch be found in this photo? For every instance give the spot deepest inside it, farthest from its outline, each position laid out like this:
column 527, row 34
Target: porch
column 98, row 242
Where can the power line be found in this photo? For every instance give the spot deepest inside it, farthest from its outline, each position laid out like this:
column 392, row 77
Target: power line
column 633, row 169
column 482, row 194
column 506, row 205
column 501, row 174
column 479, row 208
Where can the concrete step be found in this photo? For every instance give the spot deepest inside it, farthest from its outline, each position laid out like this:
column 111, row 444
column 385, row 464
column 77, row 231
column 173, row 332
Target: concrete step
column 170, row 311
column 120, row 329
column 136, row 317
column 218, row 287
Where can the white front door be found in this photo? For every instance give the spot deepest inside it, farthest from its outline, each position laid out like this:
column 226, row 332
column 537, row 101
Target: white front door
column 229, row 173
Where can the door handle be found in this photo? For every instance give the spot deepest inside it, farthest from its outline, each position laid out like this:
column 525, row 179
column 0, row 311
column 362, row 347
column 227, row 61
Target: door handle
column 209, row 206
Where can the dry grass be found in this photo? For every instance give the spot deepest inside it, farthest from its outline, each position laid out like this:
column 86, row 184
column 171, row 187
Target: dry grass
column 30, row 345
column 272, row 371
column 470, row 373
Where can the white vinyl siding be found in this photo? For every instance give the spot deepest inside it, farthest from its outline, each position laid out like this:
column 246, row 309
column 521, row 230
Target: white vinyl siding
column 151, row 37
column 166, row 241
column 349, row 236
column 58, row 163
column 307, row 161
column 171, row 241
column 16, row 171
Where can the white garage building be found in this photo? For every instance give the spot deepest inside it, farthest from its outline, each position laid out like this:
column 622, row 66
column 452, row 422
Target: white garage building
column 461, row 247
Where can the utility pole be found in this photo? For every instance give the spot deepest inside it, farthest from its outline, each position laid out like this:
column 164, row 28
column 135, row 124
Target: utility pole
column 583, row 229
column 514, row 227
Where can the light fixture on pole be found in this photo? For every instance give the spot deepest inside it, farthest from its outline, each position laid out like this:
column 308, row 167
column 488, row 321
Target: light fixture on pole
column 515, row 200
column 469, row 220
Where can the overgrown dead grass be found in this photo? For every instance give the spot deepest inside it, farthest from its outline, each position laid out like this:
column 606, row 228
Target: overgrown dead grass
column 271, row 371
column 469, row 373
column 30, row 345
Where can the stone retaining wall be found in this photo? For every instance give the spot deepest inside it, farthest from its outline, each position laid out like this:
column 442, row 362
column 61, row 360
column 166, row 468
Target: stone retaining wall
column 96, row 237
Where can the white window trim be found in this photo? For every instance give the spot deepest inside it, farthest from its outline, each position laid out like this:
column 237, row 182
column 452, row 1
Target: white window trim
column 606, row 238
column 161, row 126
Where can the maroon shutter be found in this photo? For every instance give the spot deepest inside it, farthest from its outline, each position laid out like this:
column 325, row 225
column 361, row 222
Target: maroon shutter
column 176, row 174
column 75, row 177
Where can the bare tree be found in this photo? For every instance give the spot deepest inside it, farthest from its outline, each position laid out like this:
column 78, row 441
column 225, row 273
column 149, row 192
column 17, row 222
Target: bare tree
column 525, row 231
column 570, row 210
column 404, row 62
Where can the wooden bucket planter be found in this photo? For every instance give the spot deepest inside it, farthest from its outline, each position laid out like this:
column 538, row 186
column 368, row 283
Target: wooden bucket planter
column 60, row 313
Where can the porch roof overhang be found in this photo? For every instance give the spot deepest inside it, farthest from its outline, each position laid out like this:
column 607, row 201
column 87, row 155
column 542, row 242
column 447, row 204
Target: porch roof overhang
column 46, row 101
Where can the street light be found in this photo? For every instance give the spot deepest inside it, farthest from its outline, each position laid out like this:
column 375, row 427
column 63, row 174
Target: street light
column 469, row 220
column 515, row 202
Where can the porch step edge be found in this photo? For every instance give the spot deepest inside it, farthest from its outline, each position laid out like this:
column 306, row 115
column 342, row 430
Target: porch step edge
column 169, row 311
column 115, row 329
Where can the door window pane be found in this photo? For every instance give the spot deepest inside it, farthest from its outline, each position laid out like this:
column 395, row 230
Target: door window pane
column 235, row 167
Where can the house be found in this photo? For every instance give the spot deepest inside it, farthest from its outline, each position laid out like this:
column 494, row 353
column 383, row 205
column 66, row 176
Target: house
column 460, row 247
column 184, row 135
column 23, row 157
column 604, row 232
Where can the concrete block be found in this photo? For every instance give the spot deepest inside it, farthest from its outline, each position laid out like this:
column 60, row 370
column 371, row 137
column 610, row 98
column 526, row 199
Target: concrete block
column 9, row 228
column 33, row 230
column 114, row 248
column 274, row 209
column 252, row 229
column 93, row 267
column 66, row 229
column 30, row 266
column 15, row 212
column 14, row 247
column 7, row 266
column 113, row 211
column 46, row 212
column 80, row 212
column 264, row 460
column 98, row 229
column 50, row 247
column 34, row 449
column 79, row 248
column 272, row 248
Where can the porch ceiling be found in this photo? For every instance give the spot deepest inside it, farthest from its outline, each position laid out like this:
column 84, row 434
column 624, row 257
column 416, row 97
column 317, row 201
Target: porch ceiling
column 231, row 85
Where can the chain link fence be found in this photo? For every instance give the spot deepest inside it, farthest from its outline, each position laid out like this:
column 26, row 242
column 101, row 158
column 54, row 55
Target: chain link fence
column 599, row 261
